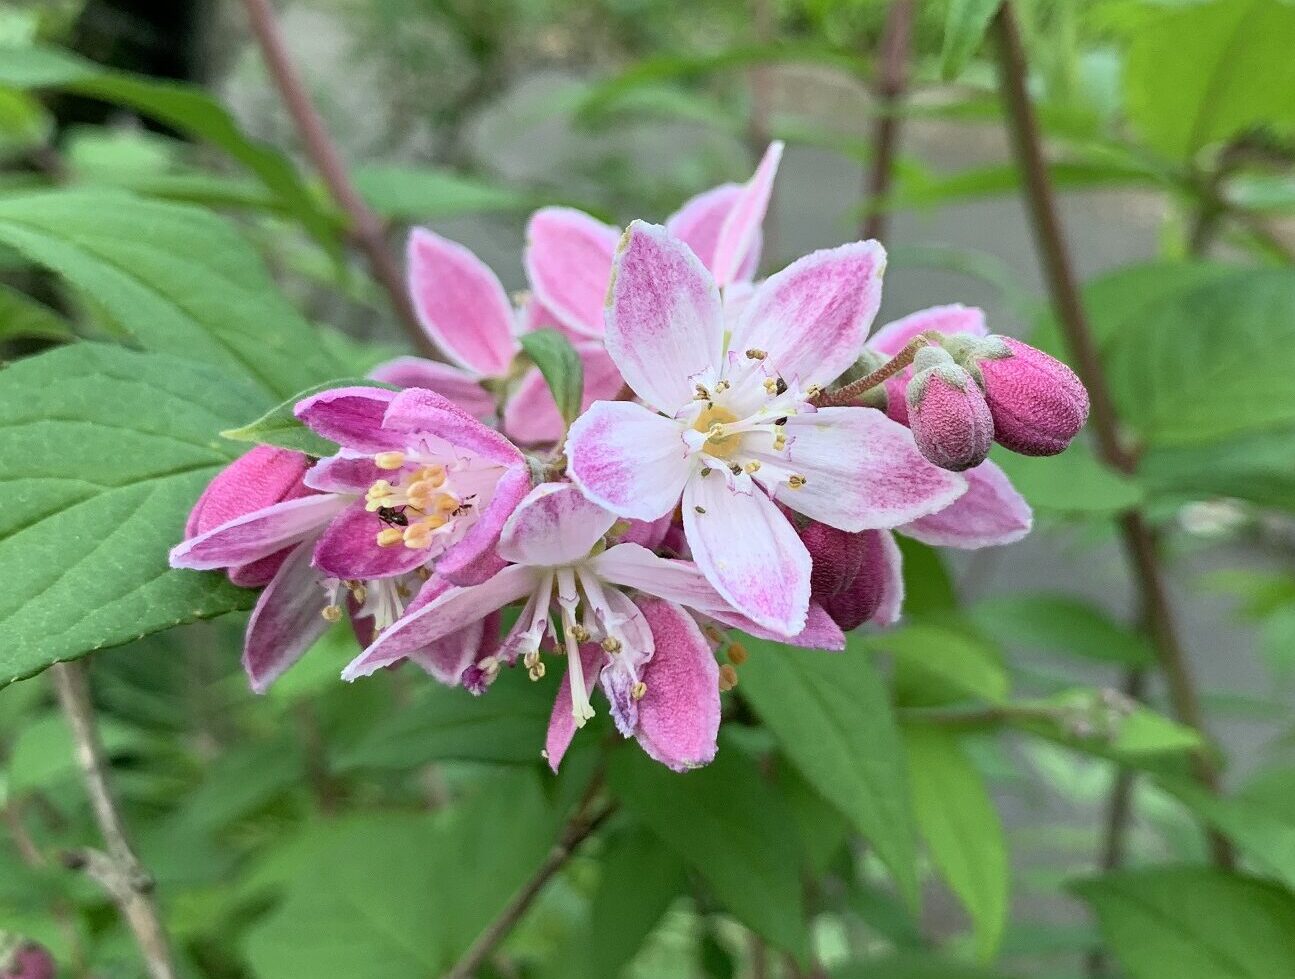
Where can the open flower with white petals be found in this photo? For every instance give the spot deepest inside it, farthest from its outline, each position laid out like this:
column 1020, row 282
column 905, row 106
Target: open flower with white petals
column 647, row 653
column 728, row 422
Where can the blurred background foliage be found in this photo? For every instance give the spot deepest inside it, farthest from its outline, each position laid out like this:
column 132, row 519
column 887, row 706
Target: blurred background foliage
column 936, row 802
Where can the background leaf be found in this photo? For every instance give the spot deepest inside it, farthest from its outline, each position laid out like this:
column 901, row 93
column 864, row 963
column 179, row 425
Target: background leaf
column 561, row 367
column 965, row 24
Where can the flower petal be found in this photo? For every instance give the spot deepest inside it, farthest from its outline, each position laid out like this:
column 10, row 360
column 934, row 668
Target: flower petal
column 820, row 631
column 450, row 611
column 531, row 416
column 562, row 722
column 991, row 512
column 892, row 590
column 863, row 471
column 569, row 264
column 954, row 318
column 456, row 384
column 461, row 304
column 446, row 658
column 813, row 317
column 628, row 459
column 415, row 411
column 749, row 551
column 633, row 566
column 287, row 620
column 678, row 717
column 351, row 417
column 257, row 534
column 740, row 235
column 260, row 477
column 664, row 319
column 349, row 548
column 473, row 559
column 697, row 224
column 554, row 525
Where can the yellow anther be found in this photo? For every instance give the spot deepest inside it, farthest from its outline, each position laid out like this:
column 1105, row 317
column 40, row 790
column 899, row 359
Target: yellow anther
column 358, row 592
column 706, row 471
column 796, row 480
column 332, row 613
column 727, row 677
column 445, row 503
column 699, row 509
column 770, row 385
column 701, row 393
column 712, row 633
column 639, row 690
column 431, row 474
column 735, row 469
column 390, row 536
column 755, row 353
column 611, row 644
column 536, row 672
column 579, row 633
column 722, row 386
column 780, row 441
column 531, row 658
column 389, row 460
column 813, row 391
column 752, row 467
column 736, row 653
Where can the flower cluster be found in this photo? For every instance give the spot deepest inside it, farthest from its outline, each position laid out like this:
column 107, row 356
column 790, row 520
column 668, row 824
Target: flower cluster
column 745, row 454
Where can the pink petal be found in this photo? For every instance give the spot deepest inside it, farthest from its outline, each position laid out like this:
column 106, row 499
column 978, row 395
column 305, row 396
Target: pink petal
column 628, row 459
column 461, row 304
column 473, row 559
column 697, row 224
column 562, row 723
column 287, row 620
column 453, row 383
column 258, row 534
column 991, row 512
column 351, row 417
column 813, row 317
column 749, row 551
column 446, row 658
column 345, row 474
column 349, row 548
column 664, row 321
column 532, row 418
column 569, row 263
column 554, row 525
column 449, row 612
column 739, row 237
column 678, row 717
column 415, row 411
column 262, row 476
column 863, row 471
column 955, row 318
column 820, row 631
column 632, row 566
column 892, row 590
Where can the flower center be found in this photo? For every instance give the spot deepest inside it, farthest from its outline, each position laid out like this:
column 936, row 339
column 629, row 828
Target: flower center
column 719, row 441
column 416, row 509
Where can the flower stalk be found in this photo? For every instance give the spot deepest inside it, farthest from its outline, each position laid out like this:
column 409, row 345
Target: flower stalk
column 850, row 393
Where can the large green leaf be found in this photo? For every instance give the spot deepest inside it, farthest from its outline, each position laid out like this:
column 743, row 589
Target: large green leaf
column 1193, row 923
column 639, row 882
column 1072, row 482
column 1202, row 73
column 938, row 663
column 962, row 830
column 832, row 718
column 177, row 279
column 1060, row 624
column 424, row 194
column 104, row 452
column 1258, row 467
column 724, row 821
column 913, row 966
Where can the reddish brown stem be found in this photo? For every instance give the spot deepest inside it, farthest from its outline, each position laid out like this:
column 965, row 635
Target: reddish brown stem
column 365, row 227
column 849, row 393
column 891, row 84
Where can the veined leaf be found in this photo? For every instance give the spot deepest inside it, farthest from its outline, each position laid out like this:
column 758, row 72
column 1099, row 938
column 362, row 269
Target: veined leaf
column 561, row 367
column 279, row 426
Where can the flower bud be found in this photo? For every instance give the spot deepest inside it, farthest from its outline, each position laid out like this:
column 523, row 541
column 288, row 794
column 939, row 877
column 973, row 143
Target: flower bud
column 1037, row 403
column 30, row 961
column 851, row 576
column 947, row 412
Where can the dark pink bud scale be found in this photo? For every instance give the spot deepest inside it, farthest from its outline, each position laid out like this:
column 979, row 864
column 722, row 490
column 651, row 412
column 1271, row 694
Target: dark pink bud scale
column 849, row 576
column 947, row 413
column 1037, row 403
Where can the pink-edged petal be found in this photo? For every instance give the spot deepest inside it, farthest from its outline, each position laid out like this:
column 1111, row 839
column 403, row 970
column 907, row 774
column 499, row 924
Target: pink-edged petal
column 474, row 558
column 562, row 722
column 258, row 534
column 990, row 513
column 349, row 548
column 260, row 477
column 954, row 318
column 632, row 566
column 531, row 416
column 628, row 459
column 569, row 263
column 862, row 471
column 739, row 237
column 446, row 658
column 697, row 224
column 892, row 587
column 554, row 525
column 678, row 717
column 820, row 631
column 749, row 551
column 813, row 317
column 351, row 417
column 344, row 474
column 447, row 380
column 449, row 612
column 415, row 411
column 664, row 319
column 461, row 304
column 287, row 620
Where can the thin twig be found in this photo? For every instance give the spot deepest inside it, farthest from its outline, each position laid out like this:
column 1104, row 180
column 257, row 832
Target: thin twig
column 118, row 870
column 1139, row 544
column 888, row 92
column 579, row 827
column 365, row 226
column 850, row 393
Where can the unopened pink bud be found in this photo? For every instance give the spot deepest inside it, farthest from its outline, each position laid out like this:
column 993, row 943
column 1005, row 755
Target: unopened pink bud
column 947, row 412
column 849, row 574
column 30, row 961
column 1037, row 402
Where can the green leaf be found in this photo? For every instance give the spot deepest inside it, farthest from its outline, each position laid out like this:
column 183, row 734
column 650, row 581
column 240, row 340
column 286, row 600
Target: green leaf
column 833, row 721
column 723, row 821
column 1258, row 467
column 178, row 279
column 1060, row 624
column 1203, row 73
column 1193, row 923
column 44, row 753
column 962, row 830
column 22, row 316
column 1072, row 482
column 561, row 367
column 423, row 194
column 639, row 882
column 105, row 451
column 965, row 25
column 937, row 664
column 279, row 426
column 185, row 108
column 913, row 966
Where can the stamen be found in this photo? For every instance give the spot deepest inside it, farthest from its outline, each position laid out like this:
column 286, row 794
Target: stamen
column 755, row 353
column 639, row 690
column 699, row 509
column 796, row 480
column 735, row 469
column 358, row 591
column 580, row 632
column 706, row 471
column 531, row 658
column 752, row 467
column 332, row 613
column 389, row 536
column 536, row 672
column 736, row 653
column 389, row 460
column 727, row 677
column 770, row 386
column 722, row 386
column 611, row 644
column 702, row 393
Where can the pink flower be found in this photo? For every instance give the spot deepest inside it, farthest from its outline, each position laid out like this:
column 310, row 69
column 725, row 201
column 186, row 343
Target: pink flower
column 857, row 577
column 648, row 654
column 947, row 412
column 728, row 423
column 29, row 961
